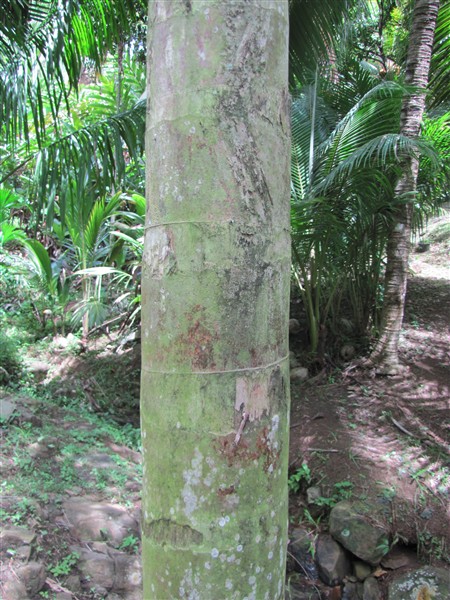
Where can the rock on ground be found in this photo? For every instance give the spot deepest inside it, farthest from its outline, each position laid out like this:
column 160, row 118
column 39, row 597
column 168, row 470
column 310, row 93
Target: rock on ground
column 427, row 582
column 332, row 561
column 352, row 527
column 92, row 520
column 371, row 590
column 110, row 570
column 301, row 547
column 32, row 575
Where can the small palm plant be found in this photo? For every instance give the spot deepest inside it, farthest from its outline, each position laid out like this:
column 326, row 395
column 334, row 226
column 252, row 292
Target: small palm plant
column 10, row 230
column 85, row 235
column 343, row 170
column 125, row 258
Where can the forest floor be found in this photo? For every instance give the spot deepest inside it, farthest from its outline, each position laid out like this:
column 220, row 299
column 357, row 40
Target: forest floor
column 73, row 436
column 386, row 440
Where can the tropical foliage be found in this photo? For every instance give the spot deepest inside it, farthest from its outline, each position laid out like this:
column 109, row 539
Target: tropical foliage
column 73, row 111
column 71, row 86
column 347, row 156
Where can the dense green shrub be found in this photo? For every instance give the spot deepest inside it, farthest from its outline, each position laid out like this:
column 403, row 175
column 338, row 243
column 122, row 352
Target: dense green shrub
column 10, row 361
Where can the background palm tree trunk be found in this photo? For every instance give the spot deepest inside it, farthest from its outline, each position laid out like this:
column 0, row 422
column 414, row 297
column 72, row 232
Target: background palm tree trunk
column 385, row 354
column 216, row 270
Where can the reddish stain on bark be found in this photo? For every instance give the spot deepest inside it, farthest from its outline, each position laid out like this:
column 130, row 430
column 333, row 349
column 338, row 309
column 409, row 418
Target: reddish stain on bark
column 226, row 491
column 198, row 341
column 265, row 449
column 246, row 450
column 234, row 453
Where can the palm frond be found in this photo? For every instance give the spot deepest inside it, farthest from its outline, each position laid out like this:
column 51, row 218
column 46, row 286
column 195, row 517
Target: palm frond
column 42, row 53
column 95, row 155
column 41, row 261
column 373, row 116
column 312, row 31
column 434, row 184
column 440, row 64
column 10, row 234
column 354, row 84
column 380, row 152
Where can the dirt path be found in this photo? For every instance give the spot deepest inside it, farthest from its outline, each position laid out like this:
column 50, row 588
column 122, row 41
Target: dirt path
column 386, row 440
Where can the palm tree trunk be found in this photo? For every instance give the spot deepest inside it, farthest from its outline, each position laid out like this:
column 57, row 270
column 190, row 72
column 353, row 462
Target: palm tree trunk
column 215, row 289
column 385, row 354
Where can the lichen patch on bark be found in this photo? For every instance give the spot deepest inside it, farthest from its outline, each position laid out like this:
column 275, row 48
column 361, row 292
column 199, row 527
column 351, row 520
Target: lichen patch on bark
column 159, row 256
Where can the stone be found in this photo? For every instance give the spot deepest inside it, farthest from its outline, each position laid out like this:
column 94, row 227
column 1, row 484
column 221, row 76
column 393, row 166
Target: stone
column 332, row 561
column 361, row 570
column 38, row 368
column 134, row 595
column 43, row 449
column 15, row 537
column 101, row 547
column 352, row 591
column 427, row 513
column 428, row 583
column 62, row 343
column 22, row 413
column 128, row 573
column 371, row 589
column 294, row 326
column 23, row 553
column 30, row 417
column 125, row 452
column 14, row 589
column 347, row 352
column 32, row 576
column 301, row 547
column 398, row 558
column 7, row 409
column 299, row 374
column 350, row 526
column 99, row 521
column 99, row 460
column 99, row 591
column 300, row 589
column 313, row 493
column 133, row 486
column 73, row 584
column 99, row 568
column 294, row 593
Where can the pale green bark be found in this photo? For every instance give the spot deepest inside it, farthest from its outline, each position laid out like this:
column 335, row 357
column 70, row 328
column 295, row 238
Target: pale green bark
column 215, row 372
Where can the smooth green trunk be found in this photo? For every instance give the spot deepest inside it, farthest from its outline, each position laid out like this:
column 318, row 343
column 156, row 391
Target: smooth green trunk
column 216, row 268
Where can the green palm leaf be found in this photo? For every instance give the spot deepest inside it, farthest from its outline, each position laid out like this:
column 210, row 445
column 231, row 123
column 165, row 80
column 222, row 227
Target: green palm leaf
column 93, row 155
column 312, row 33
column 440, row 63
column 43, row 45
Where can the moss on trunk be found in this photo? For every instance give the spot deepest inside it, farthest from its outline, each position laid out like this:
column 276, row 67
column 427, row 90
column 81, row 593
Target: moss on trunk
column 215, row 369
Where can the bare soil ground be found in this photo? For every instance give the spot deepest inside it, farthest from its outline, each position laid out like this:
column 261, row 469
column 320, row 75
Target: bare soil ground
column 387, row 436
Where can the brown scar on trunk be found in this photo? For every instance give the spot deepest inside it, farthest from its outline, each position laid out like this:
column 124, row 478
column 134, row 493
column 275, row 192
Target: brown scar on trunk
column 165, row 531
